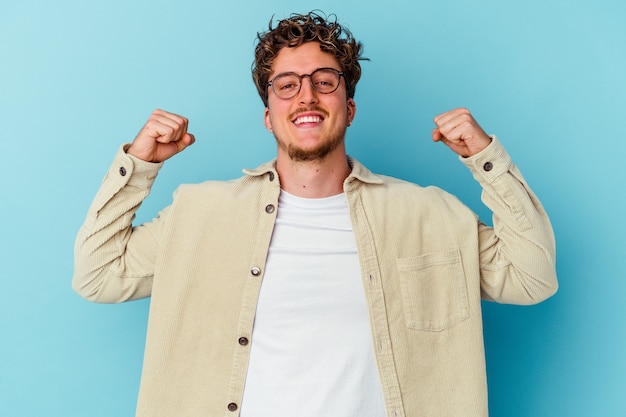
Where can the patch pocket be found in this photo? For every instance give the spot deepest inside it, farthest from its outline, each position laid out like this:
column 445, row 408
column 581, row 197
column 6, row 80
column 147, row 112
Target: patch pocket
column 434, row 291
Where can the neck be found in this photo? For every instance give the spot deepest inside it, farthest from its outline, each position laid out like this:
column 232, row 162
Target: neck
column 313, row 179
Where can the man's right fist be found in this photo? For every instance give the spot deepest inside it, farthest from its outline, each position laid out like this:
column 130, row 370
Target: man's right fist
column 163, row 136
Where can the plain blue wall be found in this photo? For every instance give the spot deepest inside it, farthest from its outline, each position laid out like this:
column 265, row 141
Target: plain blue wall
column 78, row 78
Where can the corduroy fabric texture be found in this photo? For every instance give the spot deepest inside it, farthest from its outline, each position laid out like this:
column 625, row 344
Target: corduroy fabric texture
column 426, row 263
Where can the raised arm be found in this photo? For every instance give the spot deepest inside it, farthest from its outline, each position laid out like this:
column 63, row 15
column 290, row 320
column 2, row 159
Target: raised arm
column 517, row 255
column 114, row 261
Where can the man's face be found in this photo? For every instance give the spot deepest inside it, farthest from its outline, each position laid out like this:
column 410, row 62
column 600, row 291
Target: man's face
column 311, row 125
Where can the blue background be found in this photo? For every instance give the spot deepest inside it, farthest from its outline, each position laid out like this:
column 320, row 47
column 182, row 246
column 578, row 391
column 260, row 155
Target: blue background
column 79, row 78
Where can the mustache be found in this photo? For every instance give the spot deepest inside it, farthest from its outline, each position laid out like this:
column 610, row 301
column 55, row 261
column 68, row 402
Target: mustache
column 307, row 110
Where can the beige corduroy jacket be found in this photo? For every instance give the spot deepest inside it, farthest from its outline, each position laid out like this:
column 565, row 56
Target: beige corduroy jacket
column 426, row 263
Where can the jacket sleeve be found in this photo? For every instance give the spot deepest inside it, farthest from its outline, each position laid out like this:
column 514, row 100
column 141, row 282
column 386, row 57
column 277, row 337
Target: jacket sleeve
column 114, row 262
column 517, row 254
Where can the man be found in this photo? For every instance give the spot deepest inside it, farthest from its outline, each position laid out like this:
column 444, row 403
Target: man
column 311, row 286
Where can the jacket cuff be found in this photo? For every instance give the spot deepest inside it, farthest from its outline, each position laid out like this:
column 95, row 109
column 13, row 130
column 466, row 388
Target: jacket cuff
column 490, row 163
column 129, row 170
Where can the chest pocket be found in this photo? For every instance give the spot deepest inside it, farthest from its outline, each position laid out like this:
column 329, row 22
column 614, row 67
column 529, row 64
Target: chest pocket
column 434, row 291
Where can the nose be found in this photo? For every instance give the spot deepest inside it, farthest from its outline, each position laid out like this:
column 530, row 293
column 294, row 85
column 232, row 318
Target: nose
column 307, row 93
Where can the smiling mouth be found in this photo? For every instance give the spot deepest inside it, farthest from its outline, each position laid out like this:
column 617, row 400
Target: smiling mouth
column 307, row 119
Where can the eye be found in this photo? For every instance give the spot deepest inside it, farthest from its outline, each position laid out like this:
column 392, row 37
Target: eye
column 286, row 83
column 325, row 80
column 286, row 87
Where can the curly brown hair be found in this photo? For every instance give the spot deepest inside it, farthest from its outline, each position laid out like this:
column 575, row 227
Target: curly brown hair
column 334, row 39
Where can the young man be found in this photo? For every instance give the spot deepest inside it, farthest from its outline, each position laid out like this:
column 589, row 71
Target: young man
column 311, row 286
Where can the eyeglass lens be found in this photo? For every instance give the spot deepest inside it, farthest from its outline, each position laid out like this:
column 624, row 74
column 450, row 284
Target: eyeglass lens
column 324, row 80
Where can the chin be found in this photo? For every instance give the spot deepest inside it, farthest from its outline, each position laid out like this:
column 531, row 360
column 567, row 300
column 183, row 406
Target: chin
column 318, row 153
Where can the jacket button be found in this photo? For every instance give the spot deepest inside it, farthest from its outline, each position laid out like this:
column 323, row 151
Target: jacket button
column 269, row 208
column 122, row 171
column 232, row 407
column 256, row 271
column 271, row 176
column 243, row 341
column 488, row 166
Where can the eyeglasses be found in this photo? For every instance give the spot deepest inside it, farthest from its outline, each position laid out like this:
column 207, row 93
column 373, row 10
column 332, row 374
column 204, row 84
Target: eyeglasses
column 287, row 84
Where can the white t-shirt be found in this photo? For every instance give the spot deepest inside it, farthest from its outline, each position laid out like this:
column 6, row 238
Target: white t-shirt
column 312, row 353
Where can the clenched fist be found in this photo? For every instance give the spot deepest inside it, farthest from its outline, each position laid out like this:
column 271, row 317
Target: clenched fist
column 163, row 136
column 460, row 132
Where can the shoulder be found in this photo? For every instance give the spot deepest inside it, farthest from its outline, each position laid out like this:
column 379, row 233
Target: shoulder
column 216, row 188
column 401, row 195
column 410, row 189
column 385, row 189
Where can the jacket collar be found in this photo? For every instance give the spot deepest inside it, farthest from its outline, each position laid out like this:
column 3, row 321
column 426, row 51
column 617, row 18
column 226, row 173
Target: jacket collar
column 359, row 172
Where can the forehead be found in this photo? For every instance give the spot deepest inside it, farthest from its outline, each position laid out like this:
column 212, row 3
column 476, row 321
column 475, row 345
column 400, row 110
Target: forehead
column 303, row 59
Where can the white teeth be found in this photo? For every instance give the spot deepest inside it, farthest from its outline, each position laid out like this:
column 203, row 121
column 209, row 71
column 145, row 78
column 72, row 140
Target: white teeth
column 308, row 119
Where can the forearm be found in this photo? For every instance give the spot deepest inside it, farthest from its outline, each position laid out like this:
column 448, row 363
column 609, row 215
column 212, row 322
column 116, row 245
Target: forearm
column 517, row 254
column 114, row 262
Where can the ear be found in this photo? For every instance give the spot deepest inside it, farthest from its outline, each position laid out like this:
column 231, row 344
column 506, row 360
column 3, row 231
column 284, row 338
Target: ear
column 351, row 110
column 267, row 120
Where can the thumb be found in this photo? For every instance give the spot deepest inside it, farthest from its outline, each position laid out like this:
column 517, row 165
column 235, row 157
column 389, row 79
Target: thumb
column 187, row 140
column 436, row 134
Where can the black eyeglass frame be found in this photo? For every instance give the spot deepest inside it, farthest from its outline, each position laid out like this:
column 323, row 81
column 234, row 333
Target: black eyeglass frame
column 270, row 83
